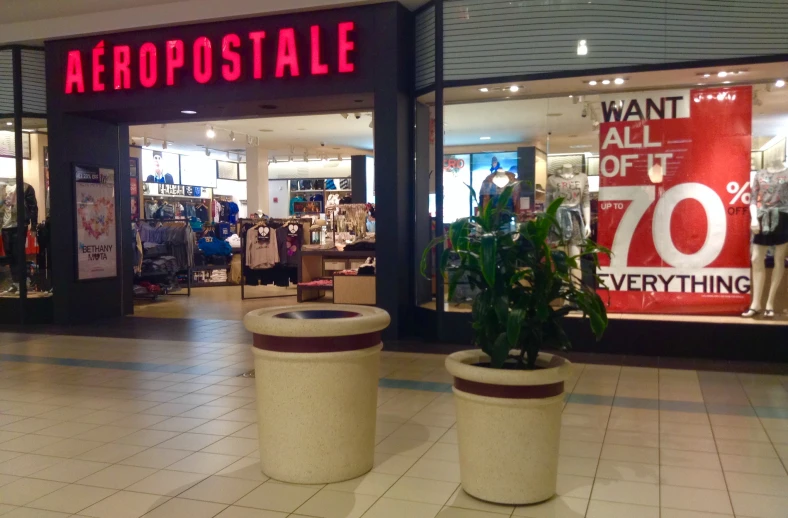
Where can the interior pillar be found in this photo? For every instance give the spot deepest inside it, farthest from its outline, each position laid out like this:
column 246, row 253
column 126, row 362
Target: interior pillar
column 257, row 179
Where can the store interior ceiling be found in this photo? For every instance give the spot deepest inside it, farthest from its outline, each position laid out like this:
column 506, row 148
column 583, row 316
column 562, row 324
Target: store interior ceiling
column 316, row 136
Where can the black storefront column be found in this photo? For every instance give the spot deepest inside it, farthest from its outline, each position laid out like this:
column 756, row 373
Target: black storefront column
column 394, row 166
column 358, row 178
column 85, row 141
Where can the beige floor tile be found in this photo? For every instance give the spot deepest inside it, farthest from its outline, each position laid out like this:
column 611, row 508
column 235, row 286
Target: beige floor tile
column 576, row 466
column 275, row 496
column 456, row 512
column 602, row 509
column 167, row 483
column 623, row 438
column 435, row 470
column 72, row 499
column 443, row 451
column 102, row 417
column 740, row 433
column 584, row 449
column 117, row 476
column 124, row 504
column 683, row 442
column 106, row 433
column 670, row 416
column 393, row 464
column 689, row 459
column 556, row 507
column 419, row 432
column 179, row 424
column 755, row 465
column 26, row 490
column 189, row 441
column 233, row 446
column 223, row 490
column 633, row 425
column 111, row 453
column 759, row 506
column 692, row 477
column 758, row 484
column 27, row 512
column 681, row 513
column 67, row 429
column 247, row 468
column 404, row 446
column 336, row 504
column 630, row 454
column 246, row 512
column 392, row 508
column 205, row 463
column 181, row 508
column 374, row 484
column 463, row 500
column 220, row 427
column 29, row 443
column 147, row 438
column 574, row 486
column 70, row 471
column 157, row 458
column 68, row 448
column 748, row 448
column 628, row 471
column 692, row 499
column 579, row 433
column 24, row 465
column 422, row 490
column 7, row 479
column 29, row 425
column 626, row 492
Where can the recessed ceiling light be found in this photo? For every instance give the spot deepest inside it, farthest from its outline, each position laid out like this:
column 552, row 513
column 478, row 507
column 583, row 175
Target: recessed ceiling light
column 726, row 82
column 570, row 96
column 9, row 123
column 592, row 83
column 722, row 74
column 514, row 88
column 779, row 83
column 606, row 81
column 619, row 81
column 485, row 138
column 210, row 133
column 188, row 112
column 582, row 48
column 485, row 90
column 706, row 75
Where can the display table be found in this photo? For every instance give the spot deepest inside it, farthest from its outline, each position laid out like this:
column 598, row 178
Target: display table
column 315, row 264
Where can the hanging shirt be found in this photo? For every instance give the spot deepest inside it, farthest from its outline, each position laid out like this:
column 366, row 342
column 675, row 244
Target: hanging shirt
column 261, row 253
column 293, row 201
column 202, row 213
column 574, row 190
column 222, row 230
column 232, row 208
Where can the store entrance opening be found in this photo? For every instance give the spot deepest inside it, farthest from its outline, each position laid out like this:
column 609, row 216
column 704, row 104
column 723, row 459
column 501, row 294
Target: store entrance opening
column 235, row 215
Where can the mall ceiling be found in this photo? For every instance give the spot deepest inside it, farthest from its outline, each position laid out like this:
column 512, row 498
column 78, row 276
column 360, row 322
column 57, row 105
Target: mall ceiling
column 33, row 21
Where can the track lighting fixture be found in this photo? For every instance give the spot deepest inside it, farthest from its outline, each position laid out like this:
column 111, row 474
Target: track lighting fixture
column 146, row 142
column 228, row 155
column 207, row 152
column 232, row 136
column 344, row 115
column 164, row 144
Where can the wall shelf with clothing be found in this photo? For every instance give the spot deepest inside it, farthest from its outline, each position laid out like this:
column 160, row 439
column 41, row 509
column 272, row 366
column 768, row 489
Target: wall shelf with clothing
column 318, row 190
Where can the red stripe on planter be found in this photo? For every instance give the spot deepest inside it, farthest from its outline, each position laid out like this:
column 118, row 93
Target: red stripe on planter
column 320, row 344
column 510, row 391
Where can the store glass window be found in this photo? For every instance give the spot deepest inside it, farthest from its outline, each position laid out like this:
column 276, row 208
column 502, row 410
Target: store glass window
column 681, row 174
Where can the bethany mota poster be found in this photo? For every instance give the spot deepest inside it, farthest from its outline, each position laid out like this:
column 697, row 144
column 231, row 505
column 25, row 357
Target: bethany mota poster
column 97, row 244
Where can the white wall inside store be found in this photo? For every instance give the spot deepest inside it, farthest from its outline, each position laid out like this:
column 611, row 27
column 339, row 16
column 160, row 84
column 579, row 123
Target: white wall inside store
column 236, row 189
column 316, row 169
column 281, row 207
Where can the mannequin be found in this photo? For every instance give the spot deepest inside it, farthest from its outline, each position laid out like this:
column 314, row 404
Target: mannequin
column 769, row 224
column 495, row 183
column 10, row 230
column 574, row 214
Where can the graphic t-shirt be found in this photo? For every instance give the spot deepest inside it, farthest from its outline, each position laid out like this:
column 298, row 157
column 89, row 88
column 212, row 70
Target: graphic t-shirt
column 223, row 230
column 574, row 190
column 770, row 190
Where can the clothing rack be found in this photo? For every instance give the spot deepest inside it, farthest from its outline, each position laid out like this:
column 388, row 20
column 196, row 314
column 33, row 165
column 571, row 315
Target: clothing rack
column 169, row 223
column 242, row 234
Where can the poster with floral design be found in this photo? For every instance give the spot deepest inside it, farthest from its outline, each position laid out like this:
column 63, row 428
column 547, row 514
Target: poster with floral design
column 96, row 233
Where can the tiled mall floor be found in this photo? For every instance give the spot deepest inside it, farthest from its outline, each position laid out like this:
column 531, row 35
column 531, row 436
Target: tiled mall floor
column 123, row 428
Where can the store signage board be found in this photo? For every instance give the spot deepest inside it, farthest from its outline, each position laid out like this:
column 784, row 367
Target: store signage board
column 175, row 190
column 95, row 225
column 230, row 58
column 673, row 202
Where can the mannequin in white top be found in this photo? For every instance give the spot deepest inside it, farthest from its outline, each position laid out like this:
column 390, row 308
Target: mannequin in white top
column 769, row 193
column 573, row 188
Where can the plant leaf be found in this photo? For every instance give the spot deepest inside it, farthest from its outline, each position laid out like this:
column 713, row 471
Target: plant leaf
column 513, row 326
column 488, row 254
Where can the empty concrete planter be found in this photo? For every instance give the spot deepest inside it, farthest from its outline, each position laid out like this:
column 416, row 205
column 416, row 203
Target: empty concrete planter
column 508, row 425
column 316, row 373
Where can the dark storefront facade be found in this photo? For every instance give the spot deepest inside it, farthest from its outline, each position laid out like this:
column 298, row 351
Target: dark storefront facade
column 342, row 60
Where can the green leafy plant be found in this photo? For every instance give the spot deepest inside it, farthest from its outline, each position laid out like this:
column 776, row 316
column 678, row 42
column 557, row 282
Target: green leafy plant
column 520, row 278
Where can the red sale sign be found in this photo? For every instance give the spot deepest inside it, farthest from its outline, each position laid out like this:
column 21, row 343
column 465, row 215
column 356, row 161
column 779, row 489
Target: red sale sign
column 673, row 202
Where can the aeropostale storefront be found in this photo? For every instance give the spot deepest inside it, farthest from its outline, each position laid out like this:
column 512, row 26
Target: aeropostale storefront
column 339, row 60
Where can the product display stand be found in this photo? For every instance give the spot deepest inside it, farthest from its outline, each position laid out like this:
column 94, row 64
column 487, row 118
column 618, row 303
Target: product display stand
column 159, row 275
column 242, row 235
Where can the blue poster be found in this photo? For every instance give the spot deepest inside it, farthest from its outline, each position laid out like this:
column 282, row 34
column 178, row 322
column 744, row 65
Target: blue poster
column 485, row 164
